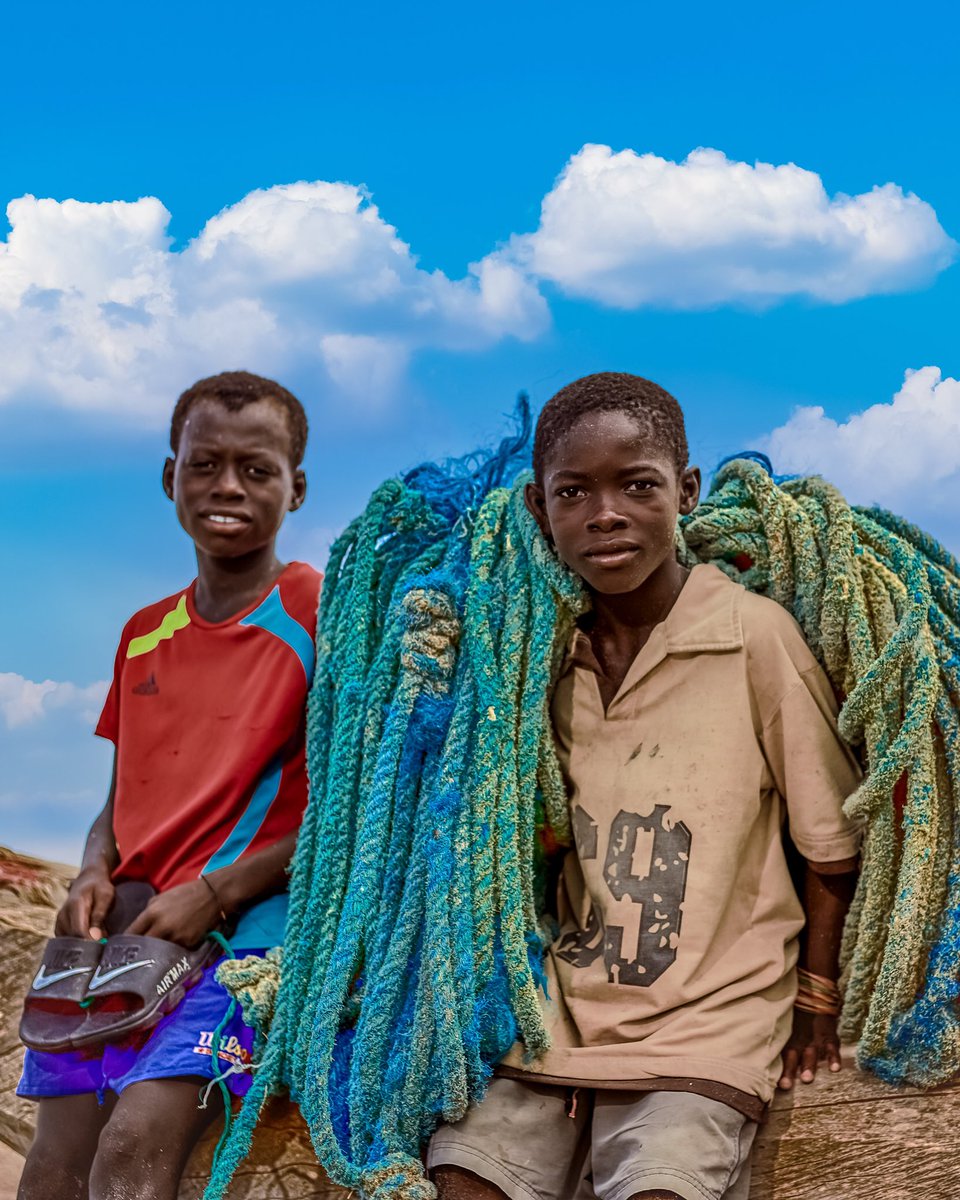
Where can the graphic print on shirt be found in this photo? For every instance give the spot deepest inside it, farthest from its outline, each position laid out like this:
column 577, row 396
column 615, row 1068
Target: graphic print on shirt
column 211, row 713
column 645, row 871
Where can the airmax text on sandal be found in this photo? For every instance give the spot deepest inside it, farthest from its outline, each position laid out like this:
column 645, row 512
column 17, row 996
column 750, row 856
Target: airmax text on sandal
column 176, row 972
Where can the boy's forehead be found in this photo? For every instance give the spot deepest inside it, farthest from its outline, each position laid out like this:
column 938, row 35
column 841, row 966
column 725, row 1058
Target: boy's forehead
column 261, row 422
column 606, row 437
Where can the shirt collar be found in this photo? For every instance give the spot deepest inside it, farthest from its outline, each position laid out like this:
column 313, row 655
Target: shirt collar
column 704, row 619
column 706, row 616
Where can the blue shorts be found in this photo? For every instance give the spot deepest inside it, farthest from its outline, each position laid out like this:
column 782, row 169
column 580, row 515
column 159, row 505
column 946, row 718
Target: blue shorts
column 179, row 1044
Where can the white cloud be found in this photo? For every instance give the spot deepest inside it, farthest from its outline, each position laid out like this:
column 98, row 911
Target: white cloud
column 903, row 455
column 22, row 701
column 97, row 311
column 629, row 229
column 364, row 367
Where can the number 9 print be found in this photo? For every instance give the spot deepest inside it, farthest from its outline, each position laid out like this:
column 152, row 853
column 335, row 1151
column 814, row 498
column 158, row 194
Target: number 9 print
column 645, row 871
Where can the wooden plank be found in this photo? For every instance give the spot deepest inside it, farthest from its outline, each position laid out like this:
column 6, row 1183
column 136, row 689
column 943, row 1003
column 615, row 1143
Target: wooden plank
column 871, row 1150
column 281, row 1164
column 11, row 1164
column 23, row 930
column 850, row 1135
column 849, row 1085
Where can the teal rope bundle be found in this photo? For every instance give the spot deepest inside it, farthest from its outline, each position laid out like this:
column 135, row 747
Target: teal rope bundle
column 414, row 940
column 879, row 604
column 412, row 954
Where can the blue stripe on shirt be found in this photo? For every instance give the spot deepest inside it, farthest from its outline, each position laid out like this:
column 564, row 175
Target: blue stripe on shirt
column 274, row 618
column 251, row 819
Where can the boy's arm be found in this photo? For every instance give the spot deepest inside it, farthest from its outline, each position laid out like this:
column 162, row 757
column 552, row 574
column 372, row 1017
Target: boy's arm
column 826, row 891
column 188, row 911
column 91, row 893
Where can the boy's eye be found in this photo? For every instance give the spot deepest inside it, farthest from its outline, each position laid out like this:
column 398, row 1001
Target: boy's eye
column 200, row 464
column 257, row 471
column 640, row 485
column 570, row 492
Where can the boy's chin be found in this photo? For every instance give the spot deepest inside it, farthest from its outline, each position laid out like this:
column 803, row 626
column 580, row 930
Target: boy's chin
column 227, row 548
column 631, row 577
column 618, row 583
column 613, row 587
column 611, row 583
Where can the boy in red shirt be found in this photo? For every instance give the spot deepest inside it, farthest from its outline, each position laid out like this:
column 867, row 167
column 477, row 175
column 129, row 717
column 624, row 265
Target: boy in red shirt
column 206, row 712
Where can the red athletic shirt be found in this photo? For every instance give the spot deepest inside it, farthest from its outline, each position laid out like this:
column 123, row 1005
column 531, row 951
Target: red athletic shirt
column 208, row 721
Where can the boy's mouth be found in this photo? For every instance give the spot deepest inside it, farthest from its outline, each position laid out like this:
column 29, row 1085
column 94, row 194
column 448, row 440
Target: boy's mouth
column 226, row 520
column 611, row 554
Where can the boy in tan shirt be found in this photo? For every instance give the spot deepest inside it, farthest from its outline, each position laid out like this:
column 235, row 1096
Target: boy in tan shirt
column 692, row 723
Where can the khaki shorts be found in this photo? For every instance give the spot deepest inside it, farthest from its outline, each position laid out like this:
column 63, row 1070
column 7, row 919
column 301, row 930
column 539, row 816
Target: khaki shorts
column 534, row 1143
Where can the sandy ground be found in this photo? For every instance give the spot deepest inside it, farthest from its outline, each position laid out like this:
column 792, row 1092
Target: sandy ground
column 10, row 1166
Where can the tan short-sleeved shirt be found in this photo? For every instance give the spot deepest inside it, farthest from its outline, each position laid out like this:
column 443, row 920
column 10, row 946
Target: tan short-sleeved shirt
column 679, row 920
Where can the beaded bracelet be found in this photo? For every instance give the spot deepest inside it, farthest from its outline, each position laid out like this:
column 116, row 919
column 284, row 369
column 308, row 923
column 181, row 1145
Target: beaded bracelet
column 816, row 994
column 213, row 893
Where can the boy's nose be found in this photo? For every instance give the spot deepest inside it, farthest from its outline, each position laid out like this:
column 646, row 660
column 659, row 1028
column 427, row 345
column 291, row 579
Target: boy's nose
column 606, row 519
column 228, row 482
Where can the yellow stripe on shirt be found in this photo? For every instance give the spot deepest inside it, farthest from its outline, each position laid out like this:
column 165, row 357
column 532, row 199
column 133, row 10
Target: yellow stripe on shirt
column 176, row 618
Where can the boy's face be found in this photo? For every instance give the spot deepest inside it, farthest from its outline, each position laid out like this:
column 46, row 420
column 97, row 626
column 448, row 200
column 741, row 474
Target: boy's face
column 609, row 500
column 232, row 480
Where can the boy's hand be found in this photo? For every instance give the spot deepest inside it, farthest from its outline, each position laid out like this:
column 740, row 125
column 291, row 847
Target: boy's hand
column 183, row 914
column 87, row 904
column 814, row 1038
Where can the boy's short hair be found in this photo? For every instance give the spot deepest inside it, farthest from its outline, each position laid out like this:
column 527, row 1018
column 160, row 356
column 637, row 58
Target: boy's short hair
column 655, row 410
column 234, row 390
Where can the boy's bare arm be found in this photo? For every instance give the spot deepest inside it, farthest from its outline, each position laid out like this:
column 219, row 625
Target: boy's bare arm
column 827, row 890
column 188, row 911
column 91, row 893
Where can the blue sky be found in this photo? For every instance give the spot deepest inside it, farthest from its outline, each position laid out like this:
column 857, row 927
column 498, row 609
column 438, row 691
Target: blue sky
column 553, row 145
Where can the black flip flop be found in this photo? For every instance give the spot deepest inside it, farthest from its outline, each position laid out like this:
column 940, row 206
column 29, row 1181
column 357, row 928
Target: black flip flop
column 54, row 1010
column 51, row 1011
column 138, row 981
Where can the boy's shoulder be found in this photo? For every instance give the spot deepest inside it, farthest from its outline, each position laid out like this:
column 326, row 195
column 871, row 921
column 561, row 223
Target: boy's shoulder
column 723, row 609
column 721, row 614
column 299, row 593
column 770, row 629
column 152, row 615
column 777, row 654
column 298, row 585
column 764, row 622
column 300, row 579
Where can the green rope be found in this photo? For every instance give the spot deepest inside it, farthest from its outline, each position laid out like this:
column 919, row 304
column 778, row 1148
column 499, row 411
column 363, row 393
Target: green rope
column 879, row 603
column 219, row 1077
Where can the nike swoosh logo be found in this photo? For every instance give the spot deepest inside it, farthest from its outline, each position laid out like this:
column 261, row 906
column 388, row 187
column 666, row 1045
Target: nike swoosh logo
column 43, row 980
column 99, row 980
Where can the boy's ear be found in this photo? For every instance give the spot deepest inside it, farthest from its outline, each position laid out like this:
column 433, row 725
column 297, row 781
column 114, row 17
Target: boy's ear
column 167, row 478
column 299, row 489
column 536, row 502
column 689, row 490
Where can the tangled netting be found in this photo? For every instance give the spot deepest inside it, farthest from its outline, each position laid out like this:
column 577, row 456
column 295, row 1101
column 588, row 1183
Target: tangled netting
column 412, row 954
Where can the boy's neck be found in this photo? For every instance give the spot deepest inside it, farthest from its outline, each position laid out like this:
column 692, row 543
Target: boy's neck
column 226, row 586
column 627, row 613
